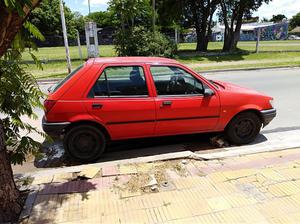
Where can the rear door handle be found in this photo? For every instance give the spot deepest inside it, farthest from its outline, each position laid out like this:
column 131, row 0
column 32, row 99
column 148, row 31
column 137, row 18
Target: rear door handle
column 96, row 106
column 166, row 103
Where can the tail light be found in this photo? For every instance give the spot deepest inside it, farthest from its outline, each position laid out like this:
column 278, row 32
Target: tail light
column 48, row 104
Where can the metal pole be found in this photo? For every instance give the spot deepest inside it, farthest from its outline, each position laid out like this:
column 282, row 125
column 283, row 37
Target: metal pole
column 79, row 46
column 63, row 23
column 153, row 18
column 176, row 35
column 89, row 2
column 257, row 40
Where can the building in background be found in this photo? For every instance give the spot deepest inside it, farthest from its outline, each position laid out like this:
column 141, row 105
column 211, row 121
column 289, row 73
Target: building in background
column 269, row 31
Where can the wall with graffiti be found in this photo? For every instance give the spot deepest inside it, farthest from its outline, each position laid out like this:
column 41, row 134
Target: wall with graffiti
column 274, row 32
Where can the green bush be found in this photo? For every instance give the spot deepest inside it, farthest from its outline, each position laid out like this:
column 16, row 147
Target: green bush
column 141, row 42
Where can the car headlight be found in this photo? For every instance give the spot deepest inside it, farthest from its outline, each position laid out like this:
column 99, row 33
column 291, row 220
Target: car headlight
column 271, row 103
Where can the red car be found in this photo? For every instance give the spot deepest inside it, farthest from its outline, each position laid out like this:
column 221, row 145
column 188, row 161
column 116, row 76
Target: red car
column 109, row 99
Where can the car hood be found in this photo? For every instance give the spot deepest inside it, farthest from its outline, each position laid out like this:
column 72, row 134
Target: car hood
column 235, row 88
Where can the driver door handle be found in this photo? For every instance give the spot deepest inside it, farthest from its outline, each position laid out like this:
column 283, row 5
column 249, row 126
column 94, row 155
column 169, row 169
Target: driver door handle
column 96, row 106
column 166, row 103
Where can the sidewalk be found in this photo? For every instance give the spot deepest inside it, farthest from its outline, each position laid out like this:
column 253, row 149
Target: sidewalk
column 257, row 188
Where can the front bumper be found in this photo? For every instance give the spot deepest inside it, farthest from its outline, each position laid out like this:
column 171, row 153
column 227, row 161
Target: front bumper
column 268, row 116
column 54, row 129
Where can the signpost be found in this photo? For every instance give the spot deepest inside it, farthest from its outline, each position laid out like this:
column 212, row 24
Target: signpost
column 91, row 36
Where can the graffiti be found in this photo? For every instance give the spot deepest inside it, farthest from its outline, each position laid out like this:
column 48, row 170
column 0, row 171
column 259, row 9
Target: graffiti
column 274, row 32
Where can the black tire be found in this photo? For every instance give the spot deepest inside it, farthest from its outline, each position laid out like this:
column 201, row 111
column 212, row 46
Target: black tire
column 84, row 143
column 243, row 128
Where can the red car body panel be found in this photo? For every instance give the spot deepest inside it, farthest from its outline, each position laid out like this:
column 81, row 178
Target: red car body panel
column 136, row 117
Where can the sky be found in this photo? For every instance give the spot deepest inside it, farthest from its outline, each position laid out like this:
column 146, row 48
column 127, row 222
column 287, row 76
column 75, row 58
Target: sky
column 286, row 7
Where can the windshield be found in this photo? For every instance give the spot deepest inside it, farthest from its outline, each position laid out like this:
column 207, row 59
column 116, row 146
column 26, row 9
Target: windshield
column 56, row 86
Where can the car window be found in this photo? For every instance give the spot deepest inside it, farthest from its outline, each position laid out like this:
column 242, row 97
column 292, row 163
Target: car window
column 56, row 86
column 120, row 81
column 170, row 80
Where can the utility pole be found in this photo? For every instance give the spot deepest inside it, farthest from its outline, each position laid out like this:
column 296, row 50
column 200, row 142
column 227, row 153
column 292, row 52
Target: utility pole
column 154, row 15
column 257, row 40
column 89, row 2
column 64, row 29
column 79, row 45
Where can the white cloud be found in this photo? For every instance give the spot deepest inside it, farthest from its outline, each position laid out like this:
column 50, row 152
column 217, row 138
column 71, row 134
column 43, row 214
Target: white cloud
column 286, row 7
column 96, row 2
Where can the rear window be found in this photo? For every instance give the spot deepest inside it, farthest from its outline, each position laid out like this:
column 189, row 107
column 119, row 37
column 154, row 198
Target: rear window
column 56, row 86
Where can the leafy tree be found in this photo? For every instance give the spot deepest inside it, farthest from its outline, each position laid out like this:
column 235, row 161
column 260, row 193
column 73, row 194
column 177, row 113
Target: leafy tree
column 19, row 93
column 140, row 41
column 48, row 20
column 231, row 14
column 295, row 21
column 103, row 19
column 196, row 13
column 129, row 13
column 277, row 18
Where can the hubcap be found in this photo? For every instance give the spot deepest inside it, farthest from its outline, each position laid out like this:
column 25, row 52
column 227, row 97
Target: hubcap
column 244, row 128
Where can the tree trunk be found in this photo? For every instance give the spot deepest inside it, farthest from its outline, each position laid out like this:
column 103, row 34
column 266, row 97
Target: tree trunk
column 10, row 24
column 9, row 194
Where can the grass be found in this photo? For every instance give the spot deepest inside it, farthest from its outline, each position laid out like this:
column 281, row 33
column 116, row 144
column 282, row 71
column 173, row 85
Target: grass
column 272, row 54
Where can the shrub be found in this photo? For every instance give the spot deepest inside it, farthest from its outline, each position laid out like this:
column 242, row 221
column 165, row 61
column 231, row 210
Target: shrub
column 141, row 42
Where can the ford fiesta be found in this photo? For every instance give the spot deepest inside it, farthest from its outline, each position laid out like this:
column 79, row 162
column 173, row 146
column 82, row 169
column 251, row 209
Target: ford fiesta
column 109, row 99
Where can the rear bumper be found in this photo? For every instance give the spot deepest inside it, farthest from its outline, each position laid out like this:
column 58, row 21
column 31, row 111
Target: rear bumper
column 268, row 116
column 54, row 129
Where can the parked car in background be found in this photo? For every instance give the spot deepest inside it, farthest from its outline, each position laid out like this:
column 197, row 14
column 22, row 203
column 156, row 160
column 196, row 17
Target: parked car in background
column 109, row 99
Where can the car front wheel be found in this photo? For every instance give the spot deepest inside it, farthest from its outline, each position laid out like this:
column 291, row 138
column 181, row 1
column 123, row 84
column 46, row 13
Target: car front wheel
column 84, row 143
column 243, row 128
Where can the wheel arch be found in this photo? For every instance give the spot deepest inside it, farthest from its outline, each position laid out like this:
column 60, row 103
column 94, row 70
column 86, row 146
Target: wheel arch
column 88, row 122
column 251, row 110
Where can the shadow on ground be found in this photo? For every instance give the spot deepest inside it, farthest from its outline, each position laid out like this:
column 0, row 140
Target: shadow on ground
column 129, row 149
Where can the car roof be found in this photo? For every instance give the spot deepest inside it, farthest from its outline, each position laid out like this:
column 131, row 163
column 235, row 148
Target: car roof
column 151, row 60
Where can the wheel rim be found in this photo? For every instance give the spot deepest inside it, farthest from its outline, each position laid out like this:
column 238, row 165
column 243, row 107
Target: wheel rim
column 84, row 144
column 245, row 128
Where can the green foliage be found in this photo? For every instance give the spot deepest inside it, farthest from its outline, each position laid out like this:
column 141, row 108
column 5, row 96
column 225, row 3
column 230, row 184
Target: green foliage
column 131, row 12
column 103, row 19
column 18, row 5
column 295, row 21
column 141, row 42
column 278, row 18
column 48, row 20
column 19, row 95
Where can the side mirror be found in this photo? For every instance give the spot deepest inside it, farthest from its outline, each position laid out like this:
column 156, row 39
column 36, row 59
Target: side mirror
column 208, row 92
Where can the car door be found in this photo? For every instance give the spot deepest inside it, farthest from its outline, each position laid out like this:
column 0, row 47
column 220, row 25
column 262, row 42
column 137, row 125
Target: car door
column 120, row 99
column 180, row 103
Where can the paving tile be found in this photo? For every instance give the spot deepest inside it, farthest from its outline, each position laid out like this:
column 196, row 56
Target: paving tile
column 271, row 174
column 239, row 200
column 218, row 203
column 234, row 174
column 89, row 171
column 62, row 177
column 217, row 177
column 42, row 180
column 110, row 171
column 128, row 169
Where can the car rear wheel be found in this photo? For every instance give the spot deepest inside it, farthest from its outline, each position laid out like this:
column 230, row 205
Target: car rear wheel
column 84, row 143
column 243, row 128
